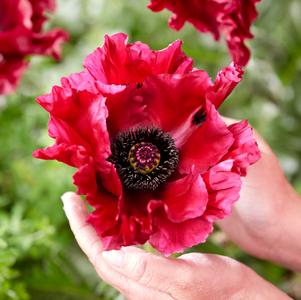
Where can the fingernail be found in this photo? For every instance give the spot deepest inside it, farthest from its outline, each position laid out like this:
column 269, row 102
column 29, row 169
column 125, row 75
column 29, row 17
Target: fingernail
column 66, row 196
column 114, row 257
column 72, row 202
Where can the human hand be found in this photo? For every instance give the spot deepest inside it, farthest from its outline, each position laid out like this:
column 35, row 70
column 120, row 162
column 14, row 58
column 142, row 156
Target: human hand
column 266, row 220
column 139, row 275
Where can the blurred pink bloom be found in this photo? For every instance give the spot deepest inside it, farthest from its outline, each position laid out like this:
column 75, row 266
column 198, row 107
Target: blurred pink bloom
column 21, row 35
column 233, row 18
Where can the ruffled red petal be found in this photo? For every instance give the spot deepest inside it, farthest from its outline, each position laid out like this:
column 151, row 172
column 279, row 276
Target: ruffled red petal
column 79, row 117
column 120, row 63
column 21, row 35
column 172, row 60
column 22, row 42
column 84, row 81
column 233, row 19
column 223, row 187
column 40, row 7
column 15, row 13
column 105, row 217
column 207, row 144
column 185, row 198
column 72, row 155
column 78, row 125
column 127, row 232
column 11, row 71
column 244, row 151
column 182, row 95
column 86, row 181
column 63, row 133
column 126, row 110
column 98, row 184
column 123, row 224
column 172, row 237
column 226, row 80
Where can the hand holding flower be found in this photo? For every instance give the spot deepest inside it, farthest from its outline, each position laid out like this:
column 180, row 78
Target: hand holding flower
column 144, row 276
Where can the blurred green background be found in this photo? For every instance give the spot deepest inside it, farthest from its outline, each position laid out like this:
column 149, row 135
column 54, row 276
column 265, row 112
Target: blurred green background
column 38, row 256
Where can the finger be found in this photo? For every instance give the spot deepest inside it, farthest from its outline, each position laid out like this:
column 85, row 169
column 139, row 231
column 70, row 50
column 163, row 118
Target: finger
column 84, row 233
column 150, row 270
column 216, row 275
column 192, row 276
column 89, row 242
column 130, row 288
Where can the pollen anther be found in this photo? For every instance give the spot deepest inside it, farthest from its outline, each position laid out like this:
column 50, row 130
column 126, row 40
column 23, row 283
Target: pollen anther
column 144, row 157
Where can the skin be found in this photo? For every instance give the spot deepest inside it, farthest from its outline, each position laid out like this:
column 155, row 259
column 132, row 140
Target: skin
column 265, row 222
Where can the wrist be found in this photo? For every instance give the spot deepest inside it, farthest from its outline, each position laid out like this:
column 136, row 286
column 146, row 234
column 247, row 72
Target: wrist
column 240, row 282
column 277, row 238
column 257, row 288
column 286, row 246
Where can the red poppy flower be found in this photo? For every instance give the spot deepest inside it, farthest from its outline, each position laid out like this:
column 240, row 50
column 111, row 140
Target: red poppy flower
column 154, row 157
column 233, row 18
column 21, row 35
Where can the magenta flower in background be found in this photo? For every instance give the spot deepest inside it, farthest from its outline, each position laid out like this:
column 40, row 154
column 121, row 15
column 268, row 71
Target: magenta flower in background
column 231, row 18
column 21, row 35
column 153, row 156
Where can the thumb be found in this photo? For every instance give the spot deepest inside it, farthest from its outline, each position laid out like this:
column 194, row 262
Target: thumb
column 147, row 269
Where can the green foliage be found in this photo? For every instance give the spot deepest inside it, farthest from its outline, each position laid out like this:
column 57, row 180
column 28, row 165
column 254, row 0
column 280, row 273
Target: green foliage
column 38, row 256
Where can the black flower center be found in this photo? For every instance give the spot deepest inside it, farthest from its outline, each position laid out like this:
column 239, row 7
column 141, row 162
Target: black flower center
column 144, row 157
